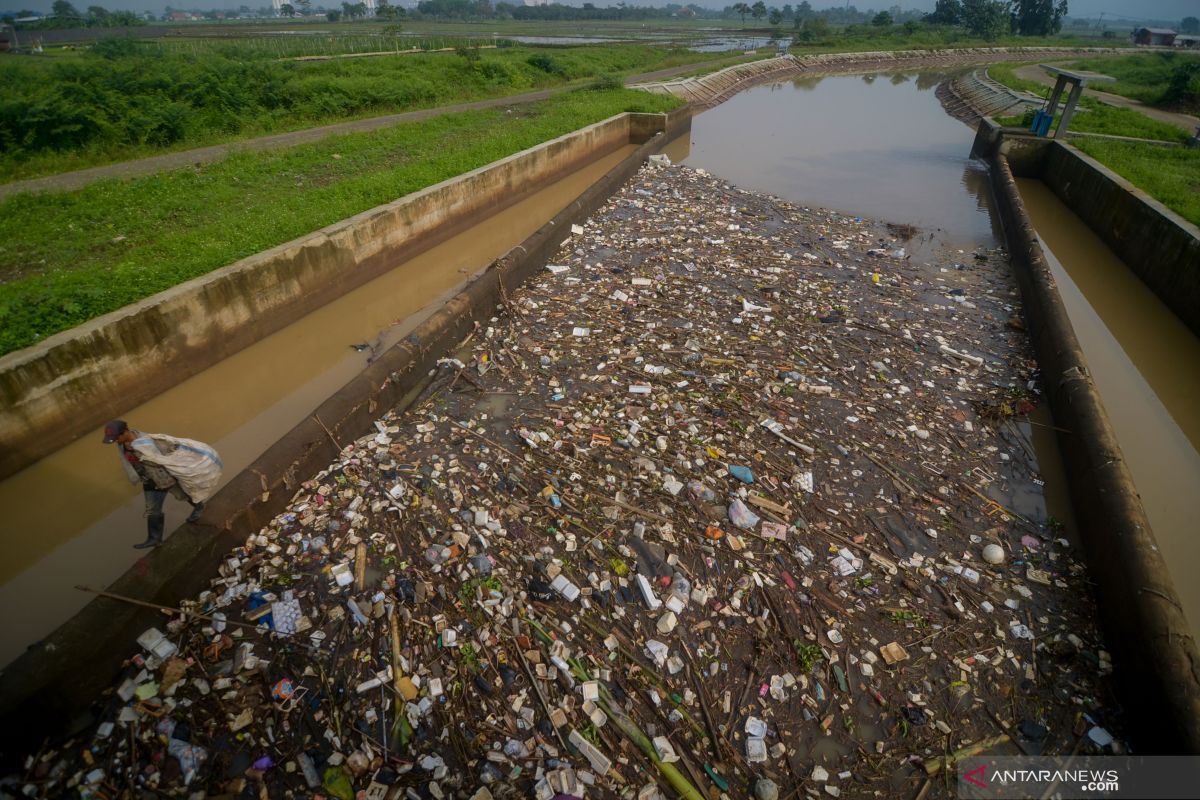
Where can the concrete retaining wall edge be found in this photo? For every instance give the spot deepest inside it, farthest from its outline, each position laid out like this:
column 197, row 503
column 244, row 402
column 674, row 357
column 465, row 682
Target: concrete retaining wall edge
column 1157, row 665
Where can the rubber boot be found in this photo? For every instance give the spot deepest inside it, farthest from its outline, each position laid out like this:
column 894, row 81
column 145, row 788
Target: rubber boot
column 197, row 510
column 154, row 531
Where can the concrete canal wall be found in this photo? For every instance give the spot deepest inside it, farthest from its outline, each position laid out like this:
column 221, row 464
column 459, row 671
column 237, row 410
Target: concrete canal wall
column 56, row 680
column 1158, row 245
column 1158, row 663
column 1161, row 247
column 60, row 389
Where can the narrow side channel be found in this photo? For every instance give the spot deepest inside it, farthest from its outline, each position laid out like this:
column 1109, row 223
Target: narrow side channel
column 1146, row 364
column 71, row 517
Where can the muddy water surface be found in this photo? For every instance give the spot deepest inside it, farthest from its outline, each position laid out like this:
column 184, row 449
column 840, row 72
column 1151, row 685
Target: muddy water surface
column 875, row 145
column 72, row 517
column 1146, row 364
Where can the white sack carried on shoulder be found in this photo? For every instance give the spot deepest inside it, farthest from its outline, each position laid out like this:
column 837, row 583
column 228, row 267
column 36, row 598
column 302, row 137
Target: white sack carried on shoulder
column 195, row 465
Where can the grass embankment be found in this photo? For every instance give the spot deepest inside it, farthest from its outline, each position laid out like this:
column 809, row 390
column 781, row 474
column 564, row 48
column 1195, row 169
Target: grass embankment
column 69, row 257
column 1171, row 175
column 1164, row 79
column 1092, row 116
column 125, row 100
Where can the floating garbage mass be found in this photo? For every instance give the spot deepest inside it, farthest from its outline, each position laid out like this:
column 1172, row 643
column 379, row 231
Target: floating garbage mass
column 714, row 506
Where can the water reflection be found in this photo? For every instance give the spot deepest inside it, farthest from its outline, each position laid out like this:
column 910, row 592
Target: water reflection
column 976, row 182
column 929, row 80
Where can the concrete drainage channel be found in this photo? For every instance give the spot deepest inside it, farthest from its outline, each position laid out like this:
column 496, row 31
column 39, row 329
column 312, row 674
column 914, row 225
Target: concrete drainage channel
column 49, row 685
column 1139, row 608
column 1147, row 631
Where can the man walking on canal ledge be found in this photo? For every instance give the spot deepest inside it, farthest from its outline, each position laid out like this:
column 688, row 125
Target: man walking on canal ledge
column 187, row 469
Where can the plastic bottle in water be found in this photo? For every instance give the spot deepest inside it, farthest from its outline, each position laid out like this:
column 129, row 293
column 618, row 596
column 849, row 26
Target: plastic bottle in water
column 310, row 771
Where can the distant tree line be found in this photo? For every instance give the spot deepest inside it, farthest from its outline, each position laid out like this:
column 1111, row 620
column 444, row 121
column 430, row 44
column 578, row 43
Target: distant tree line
column 994, row 18
column 64, row 14
column 988, row 19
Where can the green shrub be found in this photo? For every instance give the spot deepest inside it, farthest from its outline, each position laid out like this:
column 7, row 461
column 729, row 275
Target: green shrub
column 545, row 63
column 115, row 47
column 1183, row 88
column 606, row 82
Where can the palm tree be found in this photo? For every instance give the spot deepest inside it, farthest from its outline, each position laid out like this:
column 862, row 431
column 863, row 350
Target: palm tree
column 741, row 9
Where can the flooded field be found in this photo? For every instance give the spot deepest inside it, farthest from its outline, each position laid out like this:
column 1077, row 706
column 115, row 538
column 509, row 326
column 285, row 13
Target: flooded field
column 72, row 518
column 728, row 43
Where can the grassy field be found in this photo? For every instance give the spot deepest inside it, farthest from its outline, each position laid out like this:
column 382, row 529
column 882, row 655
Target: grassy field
column 1170, row 175
column 69, row 257
column 207, row 84
column 1092, row 116
column 1145, row 76
column 131, row 100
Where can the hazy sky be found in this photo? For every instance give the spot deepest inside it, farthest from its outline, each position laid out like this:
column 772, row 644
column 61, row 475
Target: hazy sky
column 1115, row 9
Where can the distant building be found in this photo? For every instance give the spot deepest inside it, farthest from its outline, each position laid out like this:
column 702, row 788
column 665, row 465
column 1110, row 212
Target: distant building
column 1187, row 40
column 1154, row 36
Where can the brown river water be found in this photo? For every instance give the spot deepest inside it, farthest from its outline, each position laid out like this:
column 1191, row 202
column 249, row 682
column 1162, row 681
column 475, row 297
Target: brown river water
column 72, row 518
column 1146, row 364
column 876, row 145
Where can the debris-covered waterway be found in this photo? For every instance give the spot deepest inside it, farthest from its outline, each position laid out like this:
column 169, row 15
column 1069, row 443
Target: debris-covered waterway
column 722, row 502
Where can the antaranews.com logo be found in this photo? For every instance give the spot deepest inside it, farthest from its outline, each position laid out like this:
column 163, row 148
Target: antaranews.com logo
column 1079, row 777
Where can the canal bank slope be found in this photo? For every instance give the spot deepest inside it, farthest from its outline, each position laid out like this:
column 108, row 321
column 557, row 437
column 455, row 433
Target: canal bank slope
column 66, row 386
column 707, row 474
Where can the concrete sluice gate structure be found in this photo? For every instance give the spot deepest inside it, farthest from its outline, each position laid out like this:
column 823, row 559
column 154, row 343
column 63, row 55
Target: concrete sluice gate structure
column 1145, row 627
